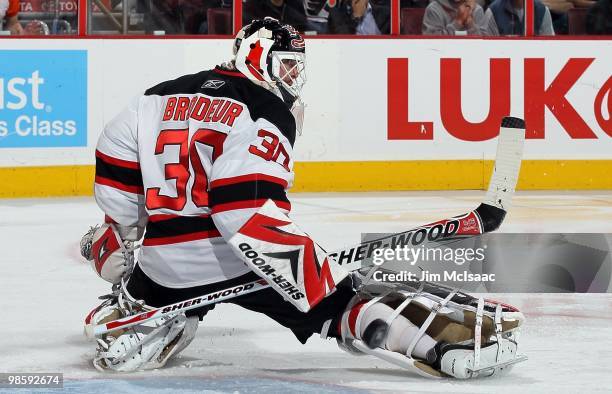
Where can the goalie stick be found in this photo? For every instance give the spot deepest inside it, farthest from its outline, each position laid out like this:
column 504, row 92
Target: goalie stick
column 487, row 217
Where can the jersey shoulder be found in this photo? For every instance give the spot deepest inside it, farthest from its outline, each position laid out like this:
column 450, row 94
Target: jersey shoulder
column 274, row 110
column 186, row 84
column 261, row 103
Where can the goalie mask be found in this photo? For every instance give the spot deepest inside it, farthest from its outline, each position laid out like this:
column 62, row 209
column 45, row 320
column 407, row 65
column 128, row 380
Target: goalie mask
column 273, row 56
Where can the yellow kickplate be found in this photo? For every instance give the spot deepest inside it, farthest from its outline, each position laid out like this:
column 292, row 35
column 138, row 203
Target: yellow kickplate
column 77, row 180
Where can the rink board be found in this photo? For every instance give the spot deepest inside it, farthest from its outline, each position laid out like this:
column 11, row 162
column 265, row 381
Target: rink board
column 77, row 180
column 383, row 114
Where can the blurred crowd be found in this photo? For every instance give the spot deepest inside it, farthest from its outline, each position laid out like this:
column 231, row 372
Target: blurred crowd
column 350, row 17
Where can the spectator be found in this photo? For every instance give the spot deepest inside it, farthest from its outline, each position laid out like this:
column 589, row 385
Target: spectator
column 414, row 3
column 559, row 9
column 362, row 17
column 599, row 18
column 484, row 4
column 9, row 9
column 507, row 18
column 176, row 16
column 161, row 16
column 558, row 12
column 37, row 28
column 317, row 12
column 290, row 12
column 453, row 17
column 193, row 15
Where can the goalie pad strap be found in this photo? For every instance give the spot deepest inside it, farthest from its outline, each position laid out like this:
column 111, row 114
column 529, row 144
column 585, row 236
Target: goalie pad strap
column 478, row 333
column 427, row 322
column 361, row 311
column 404, row 304
column 498, row 329
column 399, row 309
column 325, row 329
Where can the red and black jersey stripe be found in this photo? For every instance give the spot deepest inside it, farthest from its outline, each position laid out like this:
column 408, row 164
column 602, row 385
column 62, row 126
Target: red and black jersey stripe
column 120, row 174
column 170, row 229
column 247, row 191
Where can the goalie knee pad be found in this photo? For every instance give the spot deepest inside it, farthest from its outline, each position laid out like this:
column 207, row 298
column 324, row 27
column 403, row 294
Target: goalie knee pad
column 141, row 347
column 110, row 250
column 433, row 330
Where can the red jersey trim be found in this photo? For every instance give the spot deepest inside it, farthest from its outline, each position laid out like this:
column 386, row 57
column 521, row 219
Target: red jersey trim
column 248, row 204
column 237, row 74
column 118, row 185
column 248, row 178
column 181, row 238
column 118, row 162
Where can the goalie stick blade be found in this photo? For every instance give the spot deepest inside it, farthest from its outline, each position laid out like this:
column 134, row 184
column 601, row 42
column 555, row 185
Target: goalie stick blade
column 507, row 163
column 490, row 213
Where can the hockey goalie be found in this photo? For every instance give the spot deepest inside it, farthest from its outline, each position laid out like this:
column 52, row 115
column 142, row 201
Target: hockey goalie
column 193, row 176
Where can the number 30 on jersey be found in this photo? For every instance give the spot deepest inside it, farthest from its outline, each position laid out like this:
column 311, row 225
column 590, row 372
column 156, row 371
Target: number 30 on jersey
column 270, row 149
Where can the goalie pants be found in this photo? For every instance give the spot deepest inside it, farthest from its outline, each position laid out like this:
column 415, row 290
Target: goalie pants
column 266, row 301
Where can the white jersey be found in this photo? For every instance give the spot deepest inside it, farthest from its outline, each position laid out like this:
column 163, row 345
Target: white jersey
column 192, row 159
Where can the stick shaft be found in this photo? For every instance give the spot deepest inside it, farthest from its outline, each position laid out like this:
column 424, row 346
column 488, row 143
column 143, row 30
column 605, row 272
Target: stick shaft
column 232, row 292
column 182, row 306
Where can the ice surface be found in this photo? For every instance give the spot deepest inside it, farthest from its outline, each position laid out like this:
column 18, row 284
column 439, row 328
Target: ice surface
column 46, row 290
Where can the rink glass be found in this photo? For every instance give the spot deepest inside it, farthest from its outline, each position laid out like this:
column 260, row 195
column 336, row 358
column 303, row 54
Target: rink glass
column 225, row 17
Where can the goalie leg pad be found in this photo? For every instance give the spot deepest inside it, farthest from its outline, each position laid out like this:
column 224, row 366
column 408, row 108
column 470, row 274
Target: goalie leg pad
column 358, row 319
column 141, row 347
column 442, row 333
